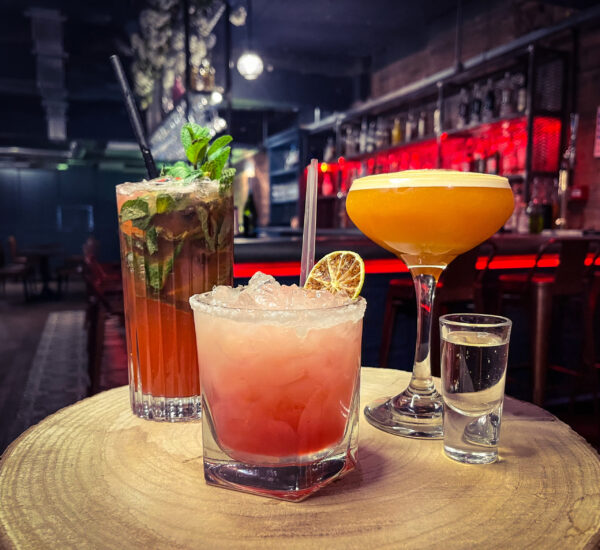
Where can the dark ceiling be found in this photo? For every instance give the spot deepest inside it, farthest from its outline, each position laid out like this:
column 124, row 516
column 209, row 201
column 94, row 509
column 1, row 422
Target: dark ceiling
column 317, row 51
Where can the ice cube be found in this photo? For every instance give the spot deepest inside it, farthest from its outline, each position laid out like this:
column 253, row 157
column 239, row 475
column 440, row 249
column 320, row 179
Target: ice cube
column 259, row 279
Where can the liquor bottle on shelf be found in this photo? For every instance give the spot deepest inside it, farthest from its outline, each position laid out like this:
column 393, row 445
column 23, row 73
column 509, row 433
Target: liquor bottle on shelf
column 329, row 151
column 476, row 104
column 512, row 224
column 506, row 96
column 250, row 216
column 362, row 137
column 489, row 101
column 410, row 126
column 478, row 162
column 350, row 142
column 535, row 208
column 521, row 93
column 371, row 137
column 381, row 134
column 422, row 125
column 564, row 175
column 463, row 109
column 396, row 132
column 437, row 120
column 492, row 163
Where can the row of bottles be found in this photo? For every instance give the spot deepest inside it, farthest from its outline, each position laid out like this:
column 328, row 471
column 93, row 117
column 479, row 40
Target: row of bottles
column 488, row 101
column 484, row 101
column 382, row 132
column 540, row 212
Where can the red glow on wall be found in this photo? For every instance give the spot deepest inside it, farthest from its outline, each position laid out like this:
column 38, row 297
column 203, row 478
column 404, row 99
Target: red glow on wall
column 546, row 144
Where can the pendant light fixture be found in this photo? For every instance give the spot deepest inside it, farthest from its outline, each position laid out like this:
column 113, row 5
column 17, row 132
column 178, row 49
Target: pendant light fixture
column 250, row 65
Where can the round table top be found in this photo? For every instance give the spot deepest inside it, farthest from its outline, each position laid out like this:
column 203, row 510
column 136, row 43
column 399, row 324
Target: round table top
column 95, row 476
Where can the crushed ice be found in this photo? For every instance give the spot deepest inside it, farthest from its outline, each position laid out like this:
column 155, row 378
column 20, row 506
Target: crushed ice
column 264, row 292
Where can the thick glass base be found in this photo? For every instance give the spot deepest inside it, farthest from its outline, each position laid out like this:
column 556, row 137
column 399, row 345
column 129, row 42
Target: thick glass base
column 166, row 409
column 291, row 478
column 471, row 457
column 408, row 414
column 472, row 440
column 293, row 482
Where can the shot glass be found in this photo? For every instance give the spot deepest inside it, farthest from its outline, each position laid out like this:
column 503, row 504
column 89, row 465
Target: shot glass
column 474, row 354
column 280, row 395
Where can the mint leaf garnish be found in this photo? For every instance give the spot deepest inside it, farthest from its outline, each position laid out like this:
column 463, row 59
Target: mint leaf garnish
column 165, row 203
column 194, row 139
column 217, row 145
column 134, row 209
column 179, row 170
column 224, row 232
column 226, row 179
column 210, row 157
column 157, row 272
column 196, row 151
column 152, row 240
column 214, row 167
column 154, row 275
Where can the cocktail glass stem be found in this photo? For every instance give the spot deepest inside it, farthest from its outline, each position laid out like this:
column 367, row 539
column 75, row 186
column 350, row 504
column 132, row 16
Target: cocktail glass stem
column 417, row 411
column 421, row 380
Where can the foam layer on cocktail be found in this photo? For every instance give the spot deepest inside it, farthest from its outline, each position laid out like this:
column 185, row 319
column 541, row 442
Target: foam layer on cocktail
column 430, row 178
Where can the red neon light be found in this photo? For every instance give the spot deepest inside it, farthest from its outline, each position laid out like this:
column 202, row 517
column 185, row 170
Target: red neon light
column 393, row 265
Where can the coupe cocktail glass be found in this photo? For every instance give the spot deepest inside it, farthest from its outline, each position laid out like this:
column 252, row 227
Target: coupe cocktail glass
column 176, row 240
column 426, row 218
column 280, row 370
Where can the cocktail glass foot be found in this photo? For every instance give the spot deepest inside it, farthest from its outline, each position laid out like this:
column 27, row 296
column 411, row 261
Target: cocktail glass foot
column 409, row 414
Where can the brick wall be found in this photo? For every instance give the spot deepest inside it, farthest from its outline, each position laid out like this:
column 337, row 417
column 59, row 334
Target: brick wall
column 499, row 25
column 494, row 27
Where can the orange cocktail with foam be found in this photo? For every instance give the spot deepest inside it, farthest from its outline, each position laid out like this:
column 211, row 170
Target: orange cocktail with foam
column 428, row 217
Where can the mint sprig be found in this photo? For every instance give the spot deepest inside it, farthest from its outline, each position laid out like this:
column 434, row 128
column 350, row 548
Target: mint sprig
column 207, row 160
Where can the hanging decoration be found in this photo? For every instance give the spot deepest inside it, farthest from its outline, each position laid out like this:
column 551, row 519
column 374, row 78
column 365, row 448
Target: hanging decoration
column 159, row 51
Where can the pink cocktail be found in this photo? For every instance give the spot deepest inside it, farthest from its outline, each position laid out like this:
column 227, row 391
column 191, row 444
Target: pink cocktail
column 280, row 377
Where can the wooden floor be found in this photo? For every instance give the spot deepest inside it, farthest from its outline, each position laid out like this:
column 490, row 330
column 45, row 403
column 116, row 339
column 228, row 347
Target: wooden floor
column 22, row 323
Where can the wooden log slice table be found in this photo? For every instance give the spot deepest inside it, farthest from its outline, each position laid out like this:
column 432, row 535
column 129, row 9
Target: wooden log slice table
column 95, row 476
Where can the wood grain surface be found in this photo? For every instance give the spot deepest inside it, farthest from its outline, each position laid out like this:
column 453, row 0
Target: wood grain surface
column 95, row 476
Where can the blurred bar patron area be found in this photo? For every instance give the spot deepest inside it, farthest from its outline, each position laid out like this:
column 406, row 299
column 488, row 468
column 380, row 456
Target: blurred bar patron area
column 366, row 88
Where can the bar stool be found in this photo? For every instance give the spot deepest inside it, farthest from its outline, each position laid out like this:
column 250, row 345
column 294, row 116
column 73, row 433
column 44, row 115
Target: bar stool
column 591, row 362
column 536, row 292
column 461, row 282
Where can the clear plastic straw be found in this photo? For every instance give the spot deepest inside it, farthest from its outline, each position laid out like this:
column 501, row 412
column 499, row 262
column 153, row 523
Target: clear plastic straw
column 310, row 222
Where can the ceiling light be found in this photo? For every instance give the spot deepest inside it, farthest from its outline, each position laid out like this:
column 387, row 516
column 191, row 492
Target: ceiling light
column 250, row 65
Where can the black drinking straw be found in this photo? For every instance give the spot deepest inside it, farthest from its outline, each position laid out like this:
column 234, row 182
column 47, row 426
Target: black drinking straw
column 134, row 117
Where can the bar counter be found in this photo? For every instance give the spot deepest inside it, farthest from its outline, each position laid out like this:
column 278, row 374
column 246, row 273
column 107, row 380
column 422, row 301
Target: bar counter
column 277, row 250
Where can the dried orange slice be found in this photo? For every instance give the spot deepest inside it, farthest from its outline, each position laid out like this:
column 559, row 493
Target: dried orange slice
column 340, row 271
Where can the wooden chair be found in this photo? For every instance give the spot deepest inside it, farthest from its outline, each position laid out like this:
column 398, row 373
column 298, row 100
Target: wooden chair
column 72, row 267
column 13, row 251
column 537, row 290
column 16, row 272
column 591, row 361
column 461, row 283
column 104, row 299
